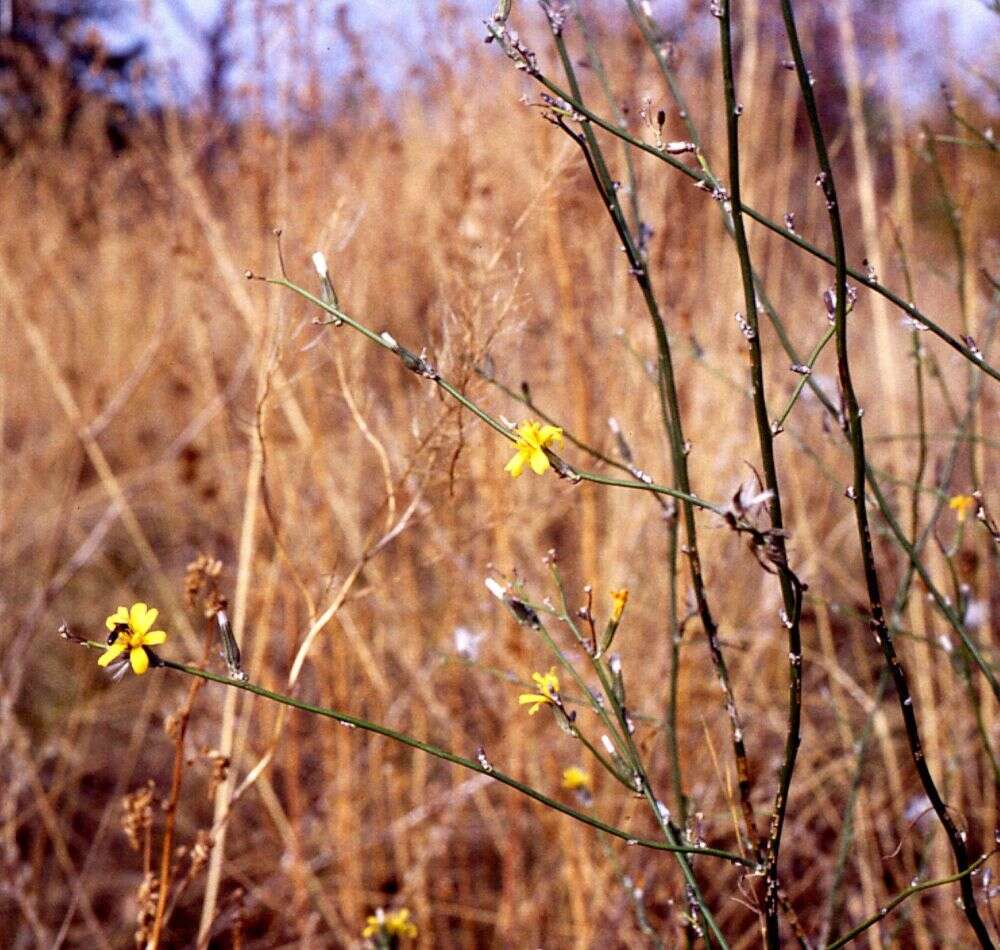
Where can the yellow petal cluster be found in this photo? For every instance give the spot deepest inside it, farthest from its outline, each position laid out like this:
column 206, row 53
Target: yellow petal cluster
column 619, row 598
column 396, row 923
column 962, row 505
column 548, row 691
column 134, row 626
column 574, row 779
column 532, row 440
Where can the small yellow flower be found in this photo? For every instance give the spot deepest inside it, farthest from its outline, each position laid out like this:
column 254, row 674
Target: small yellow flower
column 134, row 633
column 962, row 505
column 575, row 779
column 396, row 923
column 548, row 691
column 532, row 440
column 619, row 598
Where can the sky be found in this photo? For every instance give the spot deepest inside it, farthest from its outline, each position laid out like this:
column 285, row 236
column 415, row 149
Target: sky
column 391, row 29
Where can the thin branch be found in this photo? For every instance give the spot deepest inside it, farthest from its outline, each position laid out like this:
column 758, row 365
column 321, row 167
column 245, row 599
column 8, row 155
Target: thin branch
column 856, row 432
column 791, row 587
column 883, row 912
column 910, row 309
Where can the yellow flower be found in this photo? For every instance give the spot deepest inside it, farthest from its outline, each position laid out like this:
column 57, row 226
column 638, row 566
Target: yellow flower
column 962, row 505
column 396, row 923
column 548, row 691
column 619, row 598
column 532, row 440
column 574, row 779
column 131, row 631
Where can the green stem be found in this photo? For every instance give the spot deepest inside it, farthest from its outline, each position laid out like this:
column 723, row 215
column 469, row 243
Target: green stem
column 670, row 407
column 408, row 358
column 470, row 764
column 800, row 385
column 856, row 433
column 962, row 876
column 863, row 278
column 791, row 588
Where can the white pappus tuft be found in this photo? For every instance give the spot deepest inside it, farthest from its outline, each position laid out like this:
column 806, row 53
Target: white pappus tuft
column 495, row 588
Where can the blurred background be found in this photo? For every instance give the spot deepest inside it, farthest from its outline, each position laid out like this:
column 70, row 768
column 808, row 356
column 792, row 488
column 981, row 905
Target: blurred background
column 156, row 407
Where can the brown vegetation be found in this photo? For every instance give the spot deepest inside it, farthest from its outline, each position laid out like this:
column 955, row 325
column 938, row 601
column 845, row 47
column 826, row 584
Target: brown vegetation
column 156, row 406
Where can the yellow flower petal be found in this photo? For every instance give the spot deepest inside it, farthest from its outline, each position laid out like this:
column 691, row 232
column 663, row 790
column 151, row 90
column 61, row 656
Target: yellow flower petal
column 528, row 431
column 516, row 465
column 619, row 598
column 154, row 638
column 399, row 924
column 140, row 661
column 548, row 684
column 962, row 505
column 142, row 618
column 151, row 614
column 539, row 462
column 111, row 653
column 119, row 616
column 532, row 439
column 575, row 778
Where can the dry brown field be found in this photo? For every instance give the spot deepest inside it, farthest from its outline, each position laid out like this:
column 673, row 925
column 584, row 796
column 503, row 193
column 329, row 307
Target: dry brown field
column 155, row 406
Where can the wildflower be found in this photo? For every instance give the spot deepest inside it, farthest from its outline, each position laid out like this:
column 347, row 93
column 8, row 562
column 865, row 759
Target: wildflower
column 532, row 440
column 548, row 691
column 619, row 598
column 396, row 923
column 130, row 629
column 575, row 779
column 962, row 505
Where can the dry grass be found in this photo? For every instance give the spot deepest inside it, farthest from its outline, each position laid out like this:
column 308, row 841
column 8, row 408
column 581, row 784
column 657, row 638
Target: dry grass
column 155, row 405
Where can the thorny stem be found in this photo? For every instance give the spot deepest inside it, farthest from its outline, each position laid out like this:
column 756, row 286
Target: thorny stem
column 962, row 876
column 356, row 722
column 647, row 29
column 786, row 343
column 856, row 432
column 672, row 522
column 439, row 753
column 597, row 66
column 791, row 587
column 649, row 32
column 803, row 379
column 911, row 550
column 524, row 397
column 420, row 366
column 700, row 175
column 679, row 448
column 630, row 754
column 676, row 625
